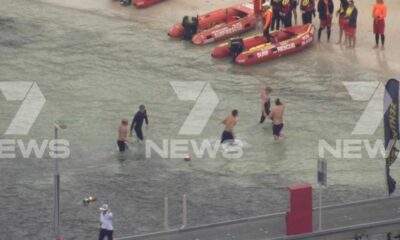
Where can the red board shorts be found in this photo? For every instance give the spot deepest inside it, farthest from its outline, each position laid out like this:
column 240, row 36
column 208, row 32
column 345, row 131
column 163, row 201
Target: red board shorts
column 342, row 22
column 350, row 31
column 326, row 22
column 379, row 26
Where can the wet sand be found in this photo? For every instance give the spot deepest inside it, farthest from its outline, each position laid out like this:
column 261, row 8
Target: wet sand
column 159, row 16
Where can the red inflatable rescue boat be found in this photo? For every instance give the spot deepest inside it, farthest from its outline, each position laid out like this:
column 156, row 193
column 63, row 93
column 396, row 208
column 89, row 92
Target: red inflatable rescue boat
column 217, row 25
column 145, row 3
column 256, row 49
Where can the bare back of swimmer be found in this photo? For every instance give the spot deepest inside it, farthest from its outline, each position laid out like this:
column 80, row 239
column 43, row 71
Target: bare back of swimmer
column 230, row 123
column 276, row 115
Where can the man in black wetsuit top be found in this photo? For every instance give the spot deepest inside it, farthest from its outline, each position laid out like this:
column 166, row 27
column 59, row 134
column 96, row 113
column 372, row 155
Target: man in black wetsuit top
column 137, row 122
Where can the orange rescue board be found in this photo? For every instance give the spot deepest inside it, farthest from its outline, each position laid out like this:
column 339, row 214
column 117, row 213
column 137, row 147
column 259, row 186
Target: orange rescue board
column 257, row 49
column 220, row 24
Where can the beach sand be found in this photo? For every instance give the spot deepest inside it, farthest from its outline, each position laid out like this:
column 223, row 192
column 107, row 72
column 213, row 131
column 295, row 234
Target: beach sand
column 165, row 14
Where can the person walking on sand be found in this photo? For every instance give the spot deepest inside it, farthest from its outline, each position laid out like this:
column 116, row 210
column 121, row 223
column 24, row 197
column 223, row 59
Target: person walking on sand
column 325, row 11
column 341, row 13
column 106, row 226
column 379, row 12
column 138, row 120
column 265, row 104
column 122, row 135
column 351, row 16
column 307, row 8
column 230, row 123
column 277, row 119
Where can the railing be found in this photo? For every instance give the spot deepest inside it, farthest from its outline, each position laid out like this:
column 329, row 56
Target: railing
column 361, row 231
column 347, row 232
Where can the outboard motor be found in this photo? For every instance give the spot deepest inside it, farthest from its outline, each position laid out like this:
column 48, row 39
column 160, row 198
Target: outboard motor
column 125, row 2
column 236, row 45
column 190, row 25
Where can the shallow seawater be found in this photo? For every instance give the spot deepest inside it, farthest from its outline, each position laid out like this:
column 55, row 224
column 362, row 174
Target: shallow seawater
column 95, row 69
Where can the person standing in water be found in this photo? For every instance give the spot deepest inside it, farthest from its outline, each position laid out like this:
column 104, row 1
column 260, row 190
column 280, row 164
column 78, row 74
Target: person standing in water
column 137, row 122
column 341, row 13
column 295, row 3
column 351, row 16
column 265, row 104
column 277, row 119
column 379, row 13
column 286, row 12
column 276, row 18
column 307, row 8
column 122, row 135
column 325, row 10
column 230, row 123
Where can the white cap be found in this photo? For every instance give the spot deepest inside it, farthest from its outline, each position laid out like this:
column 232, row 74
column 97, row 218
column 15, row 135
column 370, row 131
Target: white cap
column 267, row 4
column 104, row 207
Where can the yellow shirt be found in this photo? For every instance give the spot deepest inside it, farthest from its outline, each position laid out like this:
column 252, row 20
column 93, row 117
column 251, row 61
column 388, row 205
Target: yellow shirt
column 349, row 11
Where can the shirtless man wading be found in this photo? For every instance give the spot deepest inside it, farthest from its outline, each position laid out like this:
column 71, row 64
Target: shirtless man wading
column 230, row 123
column 265, row 103
column 122, row 135
column 277, row 119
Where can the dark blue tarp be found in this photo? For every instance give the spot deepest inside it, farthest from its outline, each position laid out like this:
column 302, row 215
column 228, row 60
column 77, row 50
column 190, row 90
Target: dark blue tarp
column 391, row 125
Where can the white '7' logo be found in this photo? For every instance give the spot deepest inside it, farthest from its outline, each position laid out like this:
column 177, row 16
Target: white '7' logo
column 206, row 102
column 373, row 113
column 32, row 103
